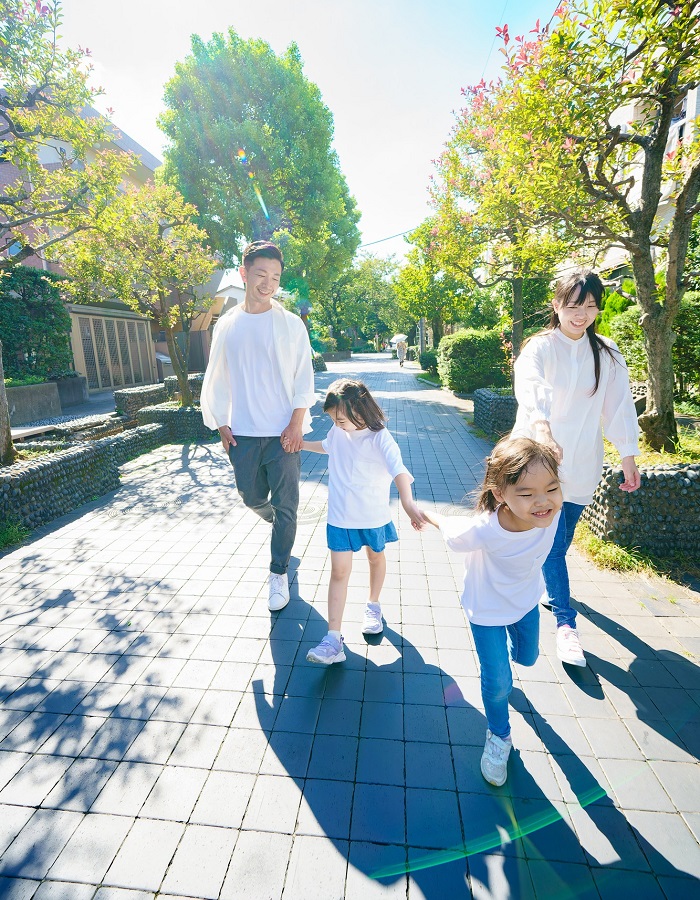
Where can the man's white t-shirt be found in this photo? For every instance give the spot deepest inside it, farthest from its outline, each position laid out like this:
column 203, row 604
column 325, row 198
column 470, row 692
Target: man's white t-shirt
column 503, row 577
column 361, row 467
column 259, row 404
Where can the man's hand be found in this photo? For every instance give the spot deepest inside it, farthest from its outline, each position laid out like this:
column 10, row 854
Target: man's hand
column 226, row 437
column 632, row 477
column 292, row 438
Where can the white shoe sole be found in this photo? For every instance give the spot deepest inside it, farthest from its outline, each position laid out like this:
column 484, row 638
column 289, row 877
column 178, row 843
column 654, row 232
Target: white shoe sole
column 373, row 629
column 491, row 781
column 324, row 662
column 573, row 662
column 274, row 606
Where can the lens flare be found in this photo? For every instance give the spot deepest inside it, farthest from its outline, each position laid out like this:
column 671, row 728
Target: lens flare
column 243, row 160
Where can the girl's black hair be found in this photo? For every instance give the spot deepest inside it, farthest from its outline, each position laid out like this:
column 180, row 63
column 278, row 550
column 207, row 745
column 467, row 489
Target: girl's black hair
column 356, row 403
column 509, row 460
column 574, row 289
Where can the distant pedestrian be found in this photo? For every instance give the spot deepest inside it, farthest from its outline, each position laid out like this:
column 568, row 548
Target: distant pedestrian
column 571, row 385
column 505, row 545
column 257, row 391
column 401, row 350
column 363, row 459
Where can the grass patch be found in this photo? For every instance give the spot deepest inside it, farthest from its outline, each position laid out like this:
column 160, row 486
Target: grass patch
column 687, row 451
column 679, row 567
column 433, row 379
column 476, row 431
column 687, row 407
column 11, row 533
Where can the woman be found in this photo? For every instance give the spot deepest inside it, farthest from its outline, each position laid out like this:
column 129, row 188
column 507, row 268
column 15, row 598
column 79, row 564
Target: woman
column 401, row 349
column 571, row 385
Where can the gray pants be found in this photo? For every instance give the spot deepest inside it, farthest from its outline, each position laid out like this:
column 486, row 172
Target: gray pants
column 267, row 479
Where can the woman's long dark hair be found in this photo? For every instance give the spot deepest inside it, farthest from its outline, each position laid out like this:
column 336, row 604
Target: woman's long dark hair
column 574, row 289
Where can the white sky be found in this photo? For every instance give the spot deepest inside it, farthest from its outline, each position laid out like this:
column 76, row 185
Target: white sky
column 390, row 71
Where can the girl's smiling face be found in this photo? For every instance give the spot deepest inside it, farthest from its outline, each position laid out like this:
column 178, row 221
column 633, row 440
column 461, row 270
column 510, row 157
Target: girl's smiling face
column 575, row 317
column 532, row 502
column 341, row 420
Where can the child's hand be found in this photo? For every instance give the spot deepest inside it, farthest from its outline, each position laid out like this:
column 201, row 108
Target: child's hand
column 418, row 518
column 433, row 518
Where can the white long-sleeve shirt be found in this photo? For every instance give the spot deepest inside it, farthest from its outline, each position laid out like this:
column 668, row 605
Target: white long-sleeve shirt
column 554, row 380
column 361, row 466
column 293, row 354
column 502, row 569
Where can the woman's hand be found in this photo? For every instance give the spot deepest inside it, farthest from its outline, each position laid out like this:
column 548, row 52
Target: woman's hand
column 543, row 435
column 632, row 477
column 418, row 518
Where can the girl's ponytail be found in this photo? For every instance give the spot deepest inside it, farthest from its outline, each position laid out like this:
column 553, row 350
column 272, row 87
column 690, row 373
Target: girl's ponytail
column 509, row 460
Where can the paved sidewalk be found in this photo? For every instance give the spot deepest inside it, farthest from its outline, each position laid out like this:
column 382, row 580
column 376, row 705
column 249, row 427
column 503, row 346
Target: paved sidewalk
column 161, row 733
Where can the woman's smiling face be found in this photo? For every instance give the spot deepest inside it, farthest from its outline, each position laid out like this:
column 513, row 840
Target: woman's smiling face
column 575, row 317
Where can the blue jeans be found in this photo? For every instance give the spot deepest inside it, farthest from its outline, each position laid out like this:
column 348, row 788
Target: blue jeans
column 495, row 646
column 556, row 575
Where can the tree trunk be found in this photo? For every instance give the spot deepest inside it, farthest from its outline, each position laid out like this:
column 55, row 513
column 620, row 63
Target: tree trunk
column 179, row 367
column 657, row 422
column 8, row 454
column 438, row 330
column 517, row 289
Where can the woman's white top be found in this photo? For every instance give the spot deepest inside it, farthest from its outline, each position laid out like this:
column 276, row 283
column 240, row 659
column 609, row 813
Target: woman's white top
column 361, row 467
column 554, row 380
column 291, row 378
column 503, row 577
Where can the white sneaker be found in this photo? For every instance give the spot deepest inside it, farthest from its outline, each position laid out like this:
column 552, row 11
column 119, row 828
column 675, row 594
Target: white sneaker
column 569, row 646
column 494, row 759
column 328, row 651
column 372, row 621
column 279, row 592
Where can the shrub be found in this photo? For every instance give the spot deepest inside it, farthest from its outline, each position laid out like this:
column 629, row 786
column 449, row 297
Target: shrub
column 471, row 359
column 627, row 333
column 318, row 362
column 429, row 361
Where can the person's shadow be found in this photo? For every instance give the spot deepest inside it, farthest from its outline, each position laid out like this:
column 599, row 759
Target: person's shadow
column 387, row 759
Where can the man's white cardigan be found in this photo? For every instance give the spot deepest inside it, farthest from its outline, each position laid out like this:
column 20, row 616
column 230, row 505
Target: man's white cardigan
column 293, row 356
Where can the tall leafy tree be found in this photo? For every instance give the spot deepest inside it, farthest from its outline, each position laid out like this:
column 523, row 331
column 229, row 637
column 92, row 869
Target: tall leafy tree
column 251, row 147
column 44, row 116
column 584, row 116
column 145, row 250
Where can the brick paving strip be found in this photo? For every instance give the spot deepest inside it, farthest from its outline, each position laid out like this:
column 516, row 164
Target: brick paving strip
column 161, row 733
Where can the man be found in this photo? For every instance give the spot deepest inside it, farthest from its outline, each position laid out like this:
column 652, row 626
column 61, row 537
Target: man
column 257, row 391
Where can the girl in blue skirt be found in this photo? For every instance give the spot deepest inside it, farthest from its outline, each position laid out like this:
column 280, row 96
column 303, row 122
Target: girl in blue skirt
column 363, row 460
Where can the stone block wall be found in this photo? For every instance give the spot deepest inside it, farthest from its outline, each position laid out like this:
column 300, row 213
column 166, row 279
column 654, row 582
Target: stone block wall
column 32, row 402
column 195, row 382
column 494, row 414
column 131, row 400
column 37, row 492
column 660, row 517
column 184, row 424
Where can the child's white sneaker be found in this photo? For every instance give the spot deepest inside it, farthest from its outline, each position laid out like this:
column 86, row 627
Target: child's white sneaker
column 372, row 621
column 494, row 759
column 279, row 592
column 569, row 646
column 328, row 651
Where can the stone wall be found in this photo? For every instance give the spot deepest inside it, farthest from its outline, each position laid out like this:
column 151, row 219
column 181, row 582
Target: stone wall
column 36, row 492
column 32, row 402
column 661, row 517
column 72, row 391
column 131, row 400
column 195, row 383
column 494, row 414
column 184, row 424
column 337, row 355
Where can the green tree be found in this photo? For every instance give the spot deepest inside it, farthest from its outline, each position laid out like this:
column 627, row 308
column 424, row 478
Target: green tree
column 251, row 147
column 145, row 250
column 584, row 118
column 363, row 298
column 34, row 323
column 44, row 106
column 426, row 289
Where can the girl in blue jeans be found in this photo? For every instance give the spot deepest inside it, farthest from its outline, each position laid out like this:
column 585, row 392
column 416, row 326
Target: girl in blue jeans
column 505, row 546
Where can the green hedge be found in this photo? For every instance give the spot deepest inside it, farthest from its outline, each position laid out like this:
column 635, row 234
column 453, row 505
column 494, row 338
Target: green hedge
column 429, row 361
column 471, row 359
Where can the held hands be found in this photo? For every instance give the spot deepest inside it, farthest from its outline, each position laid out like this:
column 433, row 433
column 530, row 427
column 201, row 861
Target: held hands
column 226, row 437
column 292, row 438
column 418, row 518
column 632, row 477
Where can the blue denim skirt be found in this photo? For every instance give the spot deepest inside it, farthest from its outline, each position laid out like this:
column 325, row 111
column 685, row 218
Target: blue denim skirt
column 341, row 539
